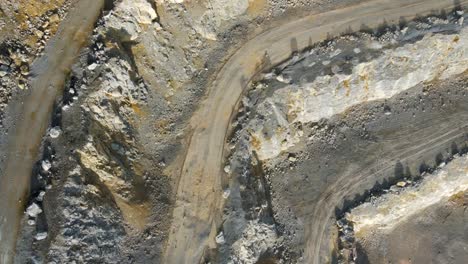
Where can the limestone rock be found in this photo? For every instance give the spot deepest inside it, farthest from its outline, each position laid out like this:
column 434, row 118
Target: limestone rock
column 128, row 18
column 41, row 236
column 33, row 210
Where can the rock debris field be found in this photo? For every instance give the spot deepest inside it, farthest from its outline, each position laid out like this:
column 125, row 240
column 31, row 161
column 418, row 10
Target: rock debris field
column 235, row 132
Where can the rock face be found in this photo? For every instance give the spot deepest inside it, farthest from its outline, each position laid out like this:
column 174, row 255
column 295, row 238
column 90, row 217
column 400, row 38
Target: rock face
column 310, row 134
column 391, row 72
column 33, row 210
column 346, row 116
column 257, row 239
column 395, row 207
column 110, row 105
column 129, row 17
column 90, row 225
column 112, row 151
column 219, row 11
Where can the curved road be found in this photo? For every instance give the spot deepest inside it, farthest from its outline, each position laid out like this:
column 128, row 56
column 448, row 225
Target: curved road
column 319, row 213
column 34, row 113
column 197, row 214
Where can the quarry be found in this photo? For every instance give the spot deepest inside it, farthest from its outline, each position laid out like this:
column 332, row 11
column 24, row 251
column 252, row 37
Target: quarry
column 233, row 131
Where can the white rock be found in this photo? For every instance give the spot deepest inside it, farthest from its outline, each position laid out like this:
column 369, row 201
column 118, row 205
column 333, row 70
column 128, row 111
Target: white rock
column 220, row 10
column 395, row 70
column 55, row 132
column 269, row 76
column 129, row 15
column 357, row 50
column 401, row 184
column 141, row 10
column 226, row 193
column 281, row 78
column 41, row 236
column 336, row 69
column 31, row 222
column 335, row 53
column 40, row 197
column 65, row 107
column 75, row 172
column 33, row 210
column 227, row 169
column 220, row 238
column 403, row 31
column 92, row 67
column 256, row 239
column 375, row 45
column 46, row 165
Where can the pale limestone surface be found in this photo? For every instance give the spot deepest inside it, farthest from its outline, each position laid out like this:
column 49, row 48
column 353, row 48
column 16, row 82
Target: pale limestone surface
column 396, row 70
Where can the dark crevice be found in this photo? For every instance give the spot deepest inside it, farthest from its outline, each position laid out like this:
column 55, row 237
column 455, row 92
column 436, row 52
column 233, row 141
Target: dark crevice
column 109, row 5
column 257, row 170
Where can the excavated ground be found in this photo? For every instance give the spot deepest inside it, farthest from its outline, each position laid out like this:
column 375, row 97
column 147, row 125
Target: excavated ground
column 351, row 115
column 103, row 179
column 413, row 221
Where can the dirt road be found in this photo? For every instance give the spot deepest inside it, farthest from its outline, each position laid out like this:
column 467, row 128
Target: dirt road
column 33, row 115
column 199, row 202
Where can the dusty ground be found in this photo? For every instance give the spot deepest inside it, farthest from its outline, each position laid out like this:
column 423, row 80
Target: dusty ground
column 133, row 167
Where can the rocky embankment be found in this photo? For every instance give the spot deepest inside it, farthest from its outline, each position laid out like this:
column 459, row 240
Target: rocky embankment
column 348, row 107
column 310, row 139
column 102, row 191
